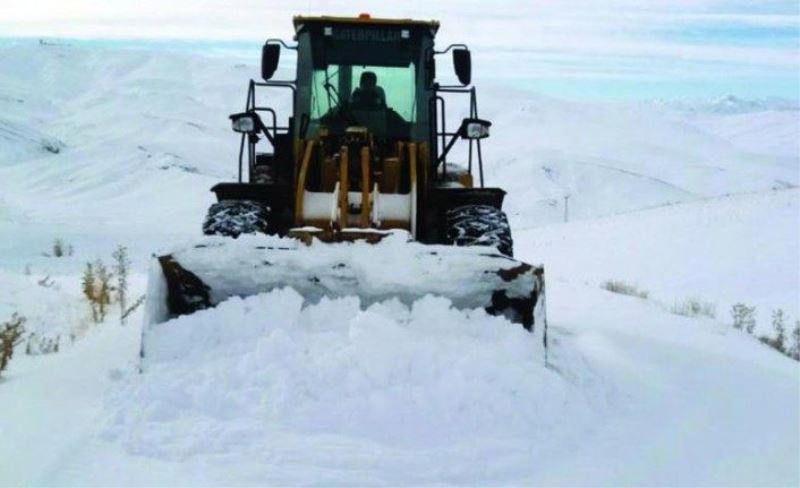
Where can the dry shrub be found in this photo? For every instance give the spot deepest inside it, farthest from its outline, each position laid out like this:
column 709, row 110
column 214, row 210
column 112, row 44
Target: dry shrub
column 623, row 288
column 10, row 337
column 694, row 307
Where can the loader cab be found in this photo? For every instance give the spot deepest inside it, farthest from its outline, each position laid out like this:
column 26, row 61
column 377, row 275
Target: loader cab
column 360, row 72
column 367, row 144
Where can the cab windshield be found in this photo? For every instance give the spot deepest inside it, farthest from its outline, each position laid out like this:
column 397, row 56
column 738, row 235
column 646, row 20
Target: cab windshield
column 361, row 75
column 360, row 88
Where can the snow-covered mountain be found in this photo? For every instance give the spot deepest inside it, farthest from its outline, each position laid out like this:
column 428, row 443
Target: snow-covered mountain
column 102, row 147
column 730, row 104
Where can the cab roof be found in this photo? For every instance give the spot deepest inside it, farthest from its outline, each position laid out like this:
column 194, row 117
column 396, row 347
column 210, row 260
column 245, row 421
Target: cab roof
column 363, row 19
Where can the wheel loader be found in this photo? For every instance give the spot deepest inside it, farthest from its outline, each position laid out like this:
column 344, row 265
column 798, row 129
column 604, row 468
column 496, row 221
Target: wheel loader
column 357, row 192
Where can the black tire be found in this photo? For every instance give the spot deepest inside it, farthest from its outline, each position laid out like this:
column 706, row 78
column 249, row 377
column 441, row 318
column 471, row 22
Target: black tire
column 233, row 218
column 479, row 225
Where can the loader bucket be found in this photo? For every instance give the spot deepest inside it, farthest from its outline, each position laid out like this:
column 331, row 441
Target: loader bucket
column 207, row 273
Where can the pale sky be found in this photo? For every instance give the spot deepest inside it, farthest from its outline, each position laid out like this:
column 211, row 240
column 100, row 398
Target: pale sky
column 605, row 48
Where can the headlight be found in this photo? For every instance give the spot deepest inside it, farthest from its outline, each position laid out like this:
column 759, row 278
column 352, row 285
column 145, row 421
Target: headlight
column 475, row 128
column 244, row 124
column 477, row 131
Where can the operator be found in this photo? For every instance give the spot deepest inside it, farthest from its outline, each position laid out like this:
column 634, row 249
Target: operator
column 368, row 95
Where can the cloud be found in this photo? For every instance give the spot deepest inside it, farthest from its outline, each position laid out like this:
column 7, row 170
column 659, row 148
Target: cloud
column 653, row 39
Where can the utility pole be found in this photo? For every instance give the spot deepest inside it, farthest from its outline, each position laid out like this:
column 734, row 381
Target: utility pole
column 566, row 208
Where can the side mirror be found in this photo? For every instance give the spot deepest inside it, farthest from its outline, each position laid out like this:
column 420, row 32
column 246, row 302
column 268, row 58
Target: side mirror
column 462, row 61
column 475, row 128
column 270, row 54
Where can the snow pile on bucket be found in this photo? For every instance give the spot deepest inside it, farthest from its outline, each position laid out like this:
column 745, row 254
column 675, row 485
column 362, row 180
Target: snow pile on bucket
column 470, row 276
column 257, row 376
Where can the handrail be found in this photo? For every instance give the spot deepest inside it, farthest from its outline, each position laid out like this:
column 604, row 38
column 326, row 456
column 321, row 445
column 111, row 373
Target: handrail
column 438, row 106
column 270, row 131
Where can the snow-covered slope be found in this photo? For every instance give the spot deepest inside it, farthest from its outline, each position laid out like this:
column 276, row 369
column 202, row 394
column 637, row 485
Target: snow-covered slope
column 139, row 125
column 103, row 146
column 742, row 248
column 615, row 158
column 764, row 132
column 730, row 105
column 136, row 129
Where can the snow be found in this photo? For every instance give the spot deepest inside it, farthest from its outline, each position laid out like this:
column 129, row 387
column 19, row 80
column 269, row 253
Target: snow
column 50, row 402
column 333, row 394
column 730, row 104
column 773, row 133
column 614, row 158
column 263, row 390
column 49, row 309
column 741, row 248
column 324, row 370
